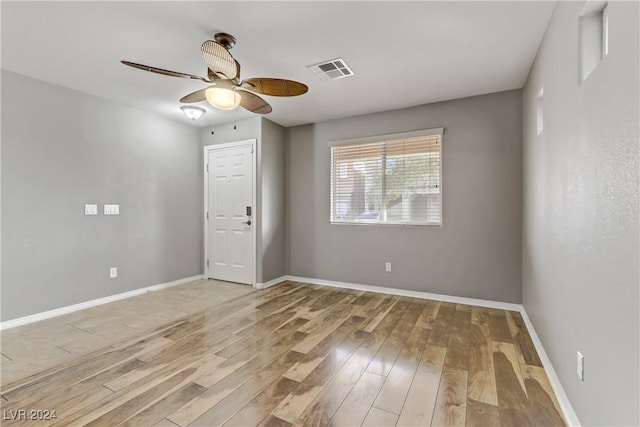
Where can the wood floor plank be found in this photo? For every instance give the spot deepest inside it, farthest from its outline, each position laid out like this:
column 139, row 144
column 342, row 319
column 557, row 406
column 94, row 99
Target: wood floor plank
column 480, row 316
column 66, row 408
column 480, row 414
column 240, row 397
column 223, row 387
column 428, row 316
column 466, row 308
column 394, row 391
column 68, row 374
column 260, row 407
column 297, row 401
column 513, row 403
column 325, row 405
column 272, row 421
column 498, row 325
column 381, row 312
column 259, row 332
column 451, row 404
column 163, row 407
column 482, row 379
column 313, row 358
column 328, row 313
column 79, row 390
column 525, row 349
column 337, row 318
column 373, row 303
column 207, row 364
column 539, row 375
column 509, row 352
column 458, row 347
column 165, row 423
column 442, row 325
column 358, row 402
column 115, row 414
column 541, row 405
column 390, row 349
column 379, row 418
column 421, row 399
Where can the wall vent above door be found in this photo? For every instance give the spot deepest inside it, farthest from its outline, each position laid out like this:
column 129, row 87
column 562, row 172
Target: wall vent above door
column 331, row 69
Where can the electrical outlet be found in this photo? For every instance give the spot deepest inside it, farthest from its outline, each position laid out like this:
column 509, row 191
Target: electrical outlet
column 580, row 366
column 113, row 273
column 387, row 267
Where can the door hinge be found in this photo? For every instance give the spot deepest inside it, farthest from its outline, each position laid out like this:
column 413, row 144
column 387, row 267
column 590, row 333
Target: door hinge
column 251, row 150
column 207, row 216
column 207, row 167
column 207, row 263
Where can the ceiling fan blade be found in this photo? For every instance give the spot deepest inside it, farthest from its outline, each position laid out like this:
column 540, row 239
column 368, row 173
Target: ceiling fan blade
column 197, row 96
column 253, row 102
column 219, row 60
column 164, row 72
column 274, row 87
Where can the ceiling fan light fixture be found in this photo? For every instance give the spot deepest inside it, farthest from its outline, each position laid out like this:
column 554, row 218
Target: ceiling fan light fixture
column 224, row 99
column 192, row 112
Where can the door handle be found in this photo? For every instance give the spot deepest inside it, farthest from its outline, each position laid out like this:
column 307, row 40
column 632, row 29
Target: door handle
column 248, row 222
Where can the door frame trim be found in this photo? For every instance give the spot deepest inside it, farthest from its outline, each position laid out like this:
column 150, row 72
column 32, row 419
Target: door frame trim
column 254, row 218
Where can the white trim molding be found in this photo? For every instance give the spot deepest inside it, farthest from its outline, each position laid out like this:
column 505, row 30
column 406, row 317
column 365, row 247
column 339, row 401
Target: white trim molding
column 565, row 405
column 87, row 304
column 570, row 415
column 271, row 282
column 409, row 293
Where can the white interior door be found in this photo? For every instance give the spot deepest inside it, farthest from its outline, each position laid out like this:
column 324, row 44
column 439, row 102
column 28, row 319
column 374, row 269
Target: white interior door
column 230, row 207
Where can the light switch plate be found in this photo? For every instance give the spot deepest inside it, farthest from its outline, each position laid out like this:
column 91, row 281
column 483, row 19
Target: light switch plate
column 90, row 209
column 112, row 209
column 113, row 272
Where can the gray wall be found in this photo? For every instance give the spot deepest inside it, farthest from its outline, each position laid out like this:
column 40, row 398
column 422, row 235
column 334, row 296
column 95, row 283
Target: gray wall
column 580, row 228
column 271, row 246
column 477, row 251
column 62, row 149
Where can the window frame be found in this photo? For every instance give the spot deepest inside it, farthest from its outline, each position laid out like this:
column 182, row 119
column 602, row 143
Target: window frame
column 383, row 138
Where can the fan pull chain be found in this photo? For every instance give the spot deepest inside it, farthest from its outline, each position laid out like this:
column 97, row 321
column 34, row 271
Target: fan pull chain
column 213, row 127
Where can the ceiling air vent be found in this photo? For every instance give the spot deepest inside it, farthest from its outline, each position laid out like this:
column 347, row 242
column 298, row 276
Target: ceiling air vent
column 331, row 69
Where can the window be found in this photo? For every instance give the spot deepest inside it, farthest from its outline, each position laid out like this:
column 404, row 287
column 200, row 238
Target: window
column 594, row 37
column 390, row 179
column 539, row 112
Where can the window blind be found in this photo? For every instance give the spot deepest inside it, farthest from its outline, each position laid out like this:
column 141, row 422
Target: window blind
column 395, row 180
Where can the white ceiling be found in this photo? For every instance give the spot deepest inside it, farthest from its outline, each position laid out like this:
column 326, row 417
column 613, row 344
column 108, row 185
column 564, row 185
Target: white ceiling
column 403, row 53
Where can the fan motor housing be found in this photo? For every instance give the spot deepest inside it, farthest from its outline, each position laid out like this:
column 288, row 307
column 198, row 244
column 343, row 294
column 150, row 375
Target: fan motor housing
column 225, row 39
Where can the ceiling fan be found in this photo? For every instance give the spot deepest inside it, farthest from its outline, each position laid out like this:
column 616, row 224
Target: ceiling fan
column 226, row 91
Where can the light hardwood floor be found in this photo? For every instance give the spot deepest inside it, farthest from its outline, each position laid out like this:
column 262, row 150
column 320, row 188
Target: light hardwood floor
column 213, row 353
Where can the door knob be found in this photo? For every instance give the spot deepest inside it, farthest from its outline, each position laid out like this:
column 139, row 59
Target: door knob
column 248, row 222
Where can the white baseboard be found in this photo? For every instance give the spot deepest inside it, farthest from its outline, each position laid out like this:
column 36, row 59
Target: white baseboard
column 81, row 306
column 565, row 405
column 270, row 283
column 567, row 409
column 408, row 293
